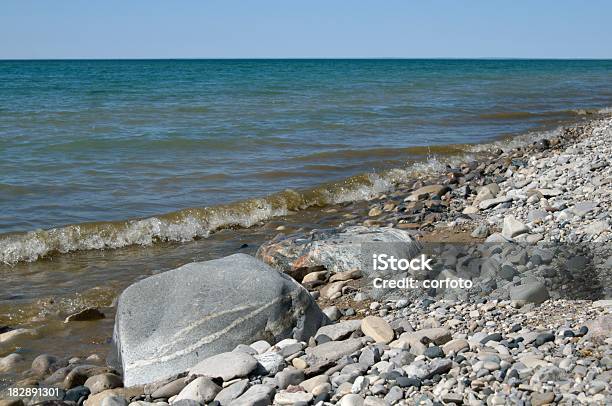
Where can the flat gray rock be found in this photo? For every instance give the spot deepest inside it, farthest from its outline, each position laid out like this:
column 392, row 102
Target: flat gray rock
column 258, row 395
column 339, row 330
column 201, row 389
column 530, row 292
column 230, row 393
column 227, row 366
column 167, row 323
column 488, row 203
column 513, row 227
column 332, row 350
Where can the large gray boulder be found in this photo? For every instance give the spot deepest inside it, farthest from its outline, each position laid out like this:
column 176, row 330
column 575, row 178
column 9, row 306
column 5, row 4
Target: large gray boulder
column 167, row 323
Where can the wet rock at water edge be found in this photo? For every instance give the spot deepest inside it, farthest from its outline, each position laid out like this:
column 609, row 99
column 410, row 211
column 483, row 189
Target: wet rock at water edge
column 89, row 314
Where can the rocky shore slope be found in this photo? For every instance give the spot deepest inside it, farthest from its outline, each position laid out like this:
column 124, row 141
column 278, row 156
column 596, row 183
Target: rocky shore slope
column 305, row 324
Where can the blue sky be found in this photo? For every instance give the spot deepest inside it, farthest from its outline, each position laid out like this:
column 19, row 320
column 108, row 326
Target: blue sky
column 313, row 28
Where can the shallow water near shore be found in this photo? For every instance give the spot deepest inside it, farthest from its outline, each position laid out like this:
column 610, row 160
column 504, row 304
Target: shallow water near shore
column 93, row 144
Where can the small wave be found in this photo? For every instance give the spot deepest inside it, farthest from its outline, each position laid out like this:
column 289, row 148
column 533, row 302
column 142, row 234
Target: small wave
column 188, row 224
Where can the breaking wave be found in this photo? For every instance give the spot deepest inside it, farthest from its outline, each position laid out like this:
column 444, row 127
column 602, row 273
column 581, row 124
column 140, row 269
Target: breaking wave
column 192, row 223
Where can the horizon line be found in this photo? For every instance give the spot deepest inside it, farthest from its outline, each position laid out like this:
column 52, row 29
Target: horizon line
column 303, row 58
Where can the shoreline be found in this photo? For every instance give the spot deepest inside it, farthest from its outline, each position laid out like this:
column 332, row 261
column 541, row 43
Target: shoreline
column 469, row 217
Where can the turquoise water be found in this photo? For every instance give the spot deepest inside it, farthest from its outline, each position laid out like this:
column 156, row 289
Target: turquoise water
column 98, row 141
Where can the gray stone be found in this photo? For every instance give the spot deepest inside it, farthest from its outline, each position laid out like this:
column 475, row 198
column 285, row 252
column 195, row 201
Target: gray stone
column 81, row 373
column 427, row 192
column 332, row 290
column 260, row 346
column 488, row 203
column 377, row 328
column 438, row 366
column 314, row 382
column 351, row 400
column 417, row 369
column 536, row 214
column 434, row 352
column 532, row 292
column 395, row 395
column 206, row 308
column 258, row 395
column 482, row 231
column 227, row 395
column 454, row 398
column 369, row 356
column 539, row 399
column 496, row 238
column 487, row 192
column 246, row 349
column 289, row 376
column 271, row 362
column 360, row 384
column 292, row 398
column 44, row 364
column 333, row 350
column 540, row 256
column 170, row 389
column 513, row 227
column 402, row 358
column 227, row 366
column 102, row 382
column 201, row 389
column 288, row 347
column 339, row 330
column 456, row 345
column 332, row 313
column 414, row 340
column 373, row 400
column 114, row 400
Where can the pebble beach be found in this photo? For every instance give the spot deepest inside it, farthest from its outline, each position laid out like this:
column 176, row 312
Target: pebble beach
column 303, row 324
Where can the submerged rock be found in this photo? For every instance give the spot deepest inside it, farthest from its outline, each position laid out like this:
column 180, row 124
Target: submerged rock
column 205, row 308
